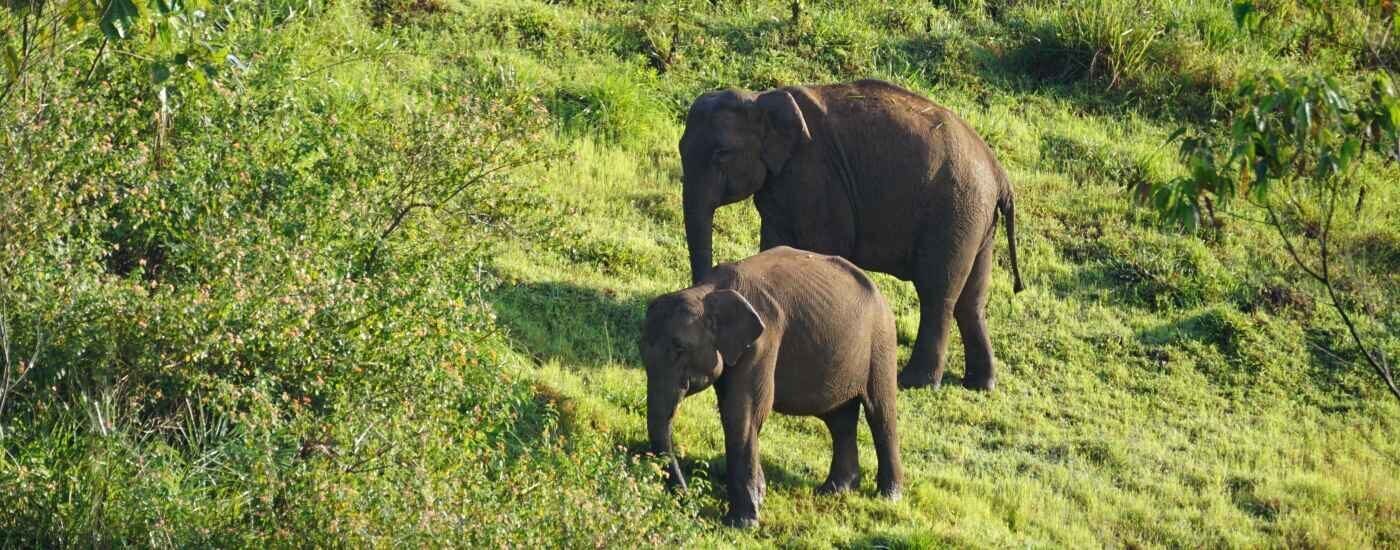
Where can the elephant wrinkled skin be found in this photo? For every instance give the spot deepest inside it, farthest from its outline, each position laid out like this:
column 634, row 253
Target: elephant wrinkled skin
column 870, row 172
column 785, row 330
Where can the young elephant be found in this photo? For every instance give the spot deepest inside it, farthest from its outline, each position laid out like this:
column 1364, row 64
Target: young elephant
column 786, row 330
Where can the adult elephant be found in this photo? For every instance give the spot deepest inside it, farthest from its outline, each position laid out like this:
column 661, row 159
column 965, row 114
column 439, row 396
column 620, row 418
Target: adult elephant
column 868, row 171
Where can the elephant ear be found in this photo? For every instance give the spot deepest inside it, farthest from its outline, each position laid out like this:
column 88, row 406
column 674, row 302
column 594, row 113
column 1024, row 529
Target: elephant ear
column 787, row 128
column 732, row 321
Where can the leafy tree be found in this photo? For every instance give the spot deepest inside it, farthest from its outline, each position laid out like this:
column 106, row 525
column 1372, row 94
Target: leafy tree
column 177, row 39
column 1293, row 150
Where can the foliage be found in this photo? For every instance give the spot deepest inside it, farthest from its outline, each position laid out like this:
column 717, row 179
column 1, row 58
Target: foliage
column 1303, row 136
column 181, row 40
column 256, row 315
column 1294, row 151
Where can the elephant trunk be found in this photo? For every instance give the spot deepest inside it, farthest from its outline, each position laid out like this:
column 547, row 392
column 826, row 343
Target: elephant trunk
column 661, row 408
column 699, row 223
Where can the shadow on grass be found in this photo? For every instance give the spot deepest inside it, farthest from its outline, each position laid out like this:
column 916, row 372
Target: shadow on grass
column 574, row 325
column 1122, row 279
column 1038, row 62
column 1209, row 327
column 711, row 467
column 892, row 541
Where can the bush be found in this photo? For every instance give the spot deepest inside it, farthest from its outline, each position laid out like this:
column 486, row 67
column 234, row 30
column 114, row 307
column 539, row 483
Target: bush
column 249, row 309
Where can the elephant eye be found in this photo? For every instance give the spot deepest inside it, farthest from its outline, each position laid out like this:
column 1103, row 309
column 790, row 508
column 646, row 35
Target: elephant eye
column 677, row 346
column 723, row 155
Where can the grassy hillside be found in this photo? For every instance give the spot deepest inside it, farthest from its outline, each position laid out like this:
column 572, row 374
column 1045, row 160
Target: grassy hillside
column 1159, row 389
column 248, row 333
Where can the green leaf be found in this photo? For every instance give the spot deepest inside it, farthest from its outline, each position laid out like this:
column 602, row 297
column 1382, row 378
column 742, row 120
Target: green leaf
column 1189, row 216
column 1246, row 14
column 160, row 72
column 1334, row 99
column 1381, row 86
column 218, row 57
column 1260, row 190
column 165, row 33
column 1326, row 167
column 166, row 7
column 118, row 17
column 1350, row 150
column 1268, row 104
column 1302, row 119
column 1247, row 88
column 1201, row 170
column 1247, row 153
column 1329, row 17
column 11, row 61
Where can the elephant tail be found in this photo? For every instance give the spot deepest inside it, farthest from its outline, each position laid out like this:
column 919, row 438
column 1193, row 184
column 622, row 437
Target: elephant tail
column 1007, row 206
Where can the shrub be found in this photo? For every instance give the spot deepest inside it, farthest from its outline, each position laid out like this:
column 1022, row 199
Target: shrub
column 250, row 310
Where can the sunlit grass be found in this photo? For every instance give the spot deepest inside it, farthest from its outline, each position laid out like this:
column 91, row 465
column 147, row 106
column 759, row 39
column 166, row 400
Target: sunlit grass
column 1156, row 389
column 1146, row 397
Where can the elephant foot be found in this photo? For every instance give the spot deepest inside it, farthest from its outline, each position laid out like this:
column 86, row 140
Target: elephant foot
column 741, row 521
column 982, row 383
column 891, row 492
column 911, row 378
column 830, row 487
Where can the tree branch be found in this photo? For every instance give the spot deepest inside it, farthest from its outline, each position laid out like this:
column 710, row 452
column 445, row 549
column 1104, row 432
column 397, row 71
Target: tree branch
column 1288, row 243
column 1377, row 364
column 97, row 59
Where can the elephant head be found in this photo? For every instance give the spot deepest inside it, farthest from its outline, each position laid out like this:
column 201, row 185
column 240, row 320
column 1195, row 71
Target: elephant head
column 733, row 142
column 687, row 339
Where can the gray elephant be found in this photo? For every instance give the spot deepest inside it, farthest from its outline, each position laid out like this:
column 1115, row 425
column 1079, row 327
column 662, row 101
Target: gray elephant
column 785, row 330
column 870, row 172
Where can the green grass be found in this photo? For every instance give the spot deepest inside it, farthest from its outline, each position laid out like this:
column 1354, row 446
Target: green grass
column 1148, row 398
column 259, row 381
column 1139, row 404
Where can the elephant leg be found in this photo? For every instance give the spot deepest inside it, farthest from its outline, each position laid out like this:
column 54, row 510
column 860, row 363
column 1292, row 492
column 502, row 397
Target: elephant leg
column 942, row 268
column 880, row 413
column 742, row 414
column 770, row 236
column 845, row 463
column 760, row 482
column 971, row 313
